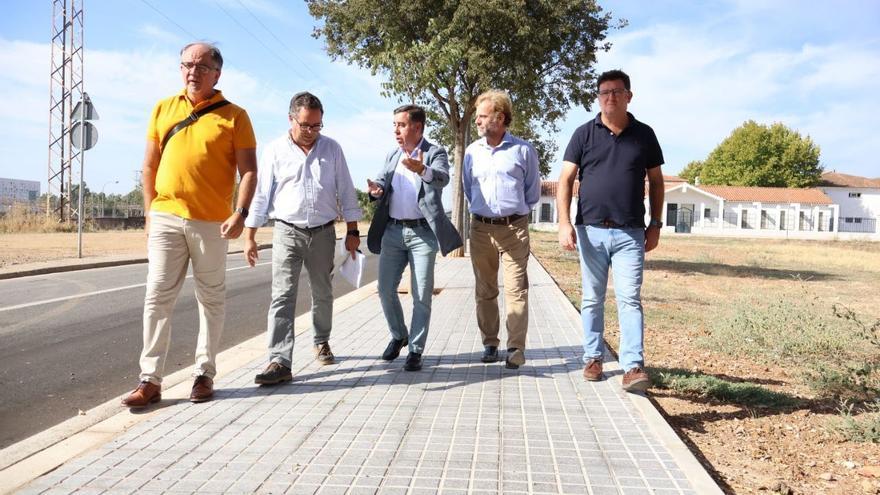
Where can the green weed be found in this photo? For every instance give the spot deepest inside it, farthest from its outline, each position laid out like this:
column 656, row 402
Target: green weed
column 708, row 386
column 858, row 425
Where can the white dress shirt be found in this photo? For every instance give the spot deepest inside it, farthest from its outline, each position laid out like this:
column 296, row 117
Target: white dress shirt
column 300, row 189
column 406, row 185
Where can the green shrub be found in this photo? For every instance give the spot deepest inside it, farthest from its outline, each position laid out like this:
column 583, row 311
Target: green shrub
column 839, row 355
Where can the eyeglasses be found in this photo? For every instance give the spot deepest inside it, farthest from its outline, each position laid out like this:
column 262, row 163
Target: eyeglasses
column 314, row 128
column 200, row 68
column 605, row 93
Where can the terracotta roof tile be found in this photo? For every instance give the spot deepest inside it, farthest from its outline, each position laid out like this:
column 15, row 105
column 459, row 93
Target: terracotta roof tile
column 813, row 196
column 549, row 187
column 834, row 179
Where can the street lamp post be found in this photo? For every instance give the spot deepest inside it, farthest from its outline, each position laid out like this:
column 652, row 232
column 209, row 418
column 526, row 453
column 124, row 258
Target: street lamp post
column 102, row 194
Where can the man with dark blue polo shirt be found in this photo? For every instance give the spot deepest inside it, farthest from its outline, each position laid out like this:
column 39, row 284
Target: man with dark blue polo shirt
column 610, row 156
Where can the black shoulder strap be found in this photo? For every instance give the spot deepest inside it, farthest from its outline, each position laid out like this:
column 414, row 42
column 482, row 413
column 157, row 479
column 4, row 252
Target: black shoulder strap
column 191, row 119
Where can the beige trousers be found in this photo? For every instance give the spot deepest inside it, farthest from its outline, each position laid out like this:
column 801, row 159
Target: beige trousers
column 510, row 244
column 173, row 243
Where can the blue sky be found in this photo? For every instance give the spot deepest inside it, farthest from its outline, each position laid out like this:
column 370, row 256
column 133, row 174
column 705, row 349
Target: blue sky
column 699, row 69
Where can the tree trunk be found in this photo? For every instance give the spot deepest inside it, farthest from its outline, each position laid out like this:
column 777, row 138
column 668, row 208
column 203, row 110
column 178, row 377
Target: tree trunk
column 459, row 211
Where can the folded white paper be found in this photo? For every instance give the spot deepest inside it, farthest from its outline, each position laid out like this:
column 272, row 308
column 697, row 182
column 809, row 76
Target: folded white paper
column 352, row 270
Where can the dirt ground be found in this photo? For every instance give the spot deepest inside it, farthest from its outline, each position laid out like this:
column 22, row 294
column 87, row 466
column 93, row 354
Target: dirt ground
column 687, row 283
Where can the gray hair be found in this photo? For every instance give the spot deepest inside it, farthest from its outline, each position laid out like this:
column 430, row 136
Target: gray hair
column 212, row 50
column 305, row 99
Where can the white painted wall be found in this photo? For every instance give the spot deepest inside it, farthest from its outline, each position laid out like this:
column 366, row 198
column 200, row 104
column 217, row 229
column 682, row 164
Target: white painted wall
column 865, row 206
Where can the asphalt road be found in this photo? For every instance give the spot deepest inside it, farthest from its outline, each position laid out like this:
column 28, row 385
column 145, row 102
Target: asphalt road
column 71, row 341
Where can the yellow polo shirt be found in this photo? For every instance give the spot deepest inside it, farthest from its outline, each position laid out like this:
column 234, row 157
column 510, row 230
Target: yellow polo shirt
column 196, row 174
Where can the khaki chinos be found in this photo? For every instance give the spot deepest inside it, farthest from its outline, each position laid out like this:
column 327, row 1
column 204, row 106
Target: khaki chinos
column 173, row 243
column 510, row 244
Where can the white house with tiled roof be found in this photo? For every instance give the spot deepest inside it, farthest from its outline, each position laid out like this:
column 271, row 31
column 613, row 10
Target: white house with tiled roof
column 858, row 198
column 761, row 211
column 808, row 213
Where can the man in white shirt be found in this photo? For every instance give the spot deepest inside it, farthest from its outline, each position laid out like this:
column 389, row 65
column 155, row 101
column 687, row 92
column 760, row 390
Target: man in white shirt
column 408, row 228
column 302, row 180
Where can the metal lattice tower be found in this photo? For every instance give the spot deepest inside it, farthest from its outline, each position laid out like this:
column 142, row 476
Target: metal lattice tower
column 65, row 89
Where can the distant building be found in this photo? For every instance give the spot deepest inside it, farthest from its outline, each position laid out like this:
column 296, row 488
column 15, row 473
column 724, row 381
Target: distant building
column 842, row 207
column 859, row 200
column 18, row 191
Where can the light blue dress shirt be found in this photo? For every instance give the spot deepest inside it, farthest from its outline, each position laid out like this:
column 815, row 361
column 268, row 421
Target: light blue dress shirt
column 303, row 189
column 503, row 180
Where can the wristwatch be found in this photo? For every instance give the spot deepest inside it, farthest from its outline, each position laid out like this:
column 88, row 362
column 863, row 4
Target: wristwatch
column 242, row 211
column 355, row 233
column 656, row 223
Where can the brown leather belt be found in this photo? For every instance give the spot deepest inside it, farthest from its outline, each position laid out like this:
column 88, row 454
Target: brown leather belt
column 509, row 219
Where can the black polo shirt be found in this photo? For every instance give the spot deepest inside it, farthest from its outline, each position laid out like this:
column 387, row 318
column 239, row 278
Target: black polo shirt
column 612, row 170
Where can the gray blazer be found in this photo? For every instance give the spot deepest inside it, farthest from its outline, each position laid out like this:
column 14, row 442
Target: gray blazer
column 429, row 200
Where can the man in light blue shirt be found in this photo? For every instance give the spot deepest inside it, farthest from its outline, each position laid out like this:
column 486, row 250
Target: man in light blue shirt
column 302, row 178
column 502, row 183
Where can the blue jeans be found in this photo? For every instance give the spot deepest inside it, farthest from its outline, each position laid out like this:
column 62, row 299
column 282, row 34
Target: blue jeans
column 624, row 250
column 417, row 247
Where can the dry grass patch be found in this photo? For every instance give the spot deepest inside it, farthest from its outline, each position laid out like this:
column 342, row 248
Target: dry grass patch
column 745, row 343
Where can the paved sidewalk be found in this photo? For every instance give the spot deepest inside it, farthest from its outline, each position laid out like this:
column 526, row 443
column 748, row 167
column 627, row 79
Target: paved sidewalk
column 366, row 426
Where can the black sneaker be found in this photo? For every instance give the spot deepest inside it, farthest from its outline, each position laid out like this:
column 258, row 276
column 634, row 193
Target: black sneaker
column 275, row 373
column 413, row 362
column 490, row 354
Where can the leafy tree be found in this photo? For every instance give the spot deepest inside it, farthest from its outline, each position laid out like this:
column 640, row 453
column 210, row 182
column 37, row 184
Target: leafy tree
column 691, row 171
column 367, row 206
column 760, row 155
column 442, row 54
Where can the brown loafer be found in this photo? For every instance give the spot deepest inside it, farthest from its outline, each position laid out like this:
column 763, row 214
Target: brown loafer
column 145, row 394
column 593, row 370
column 636, row 380
column 203, row 389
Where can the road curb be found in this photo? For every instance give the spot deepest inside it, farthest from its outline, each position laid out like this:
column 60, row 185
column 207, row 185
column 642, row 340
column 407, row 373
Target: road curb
column 43, row 270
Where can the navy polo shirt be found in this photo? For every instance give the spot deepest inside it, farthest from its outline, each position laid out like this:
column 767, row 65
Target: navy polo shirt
column 612, row 170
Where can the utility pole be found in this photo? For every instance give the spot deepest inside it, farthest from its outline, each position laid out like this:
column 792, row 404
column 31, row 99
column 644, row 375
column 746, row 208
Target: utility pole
column 65, row 89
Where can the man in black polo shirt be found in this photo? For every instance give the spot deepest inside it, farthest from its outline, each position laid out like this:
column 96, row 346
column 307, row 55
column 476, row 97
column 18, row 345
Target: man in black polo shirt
column 610, row 156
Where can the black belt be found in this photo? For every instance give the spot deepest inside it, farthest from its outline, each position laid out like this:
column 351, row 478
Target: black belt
column 608, row 224
column 509, row 219
column 309, row 230
column 416, row 222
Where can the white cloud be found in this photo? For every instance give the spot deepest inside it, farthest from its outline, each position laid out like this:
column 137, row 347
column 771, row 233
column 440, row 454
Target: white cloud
column 694, row 85
column 153, row 32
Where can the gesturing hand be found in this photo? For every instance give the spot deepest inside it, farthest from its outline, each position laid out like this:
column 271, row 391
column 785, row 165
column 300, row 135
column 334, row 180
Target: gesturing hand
column 415, row 164
column 374, row 189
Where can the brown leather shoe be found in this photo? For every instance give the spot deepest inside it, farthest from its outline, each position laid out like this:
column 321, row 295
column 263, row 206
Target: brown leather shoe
column 323, row 354
column 593, row 370
column 145, row 394
column 203, row 389
column 636, row 380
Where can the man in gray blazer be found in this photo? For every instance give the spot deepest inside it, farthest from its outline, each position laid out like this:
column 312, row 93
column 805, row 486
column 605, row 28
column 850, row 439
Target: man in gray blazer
column 409, row 227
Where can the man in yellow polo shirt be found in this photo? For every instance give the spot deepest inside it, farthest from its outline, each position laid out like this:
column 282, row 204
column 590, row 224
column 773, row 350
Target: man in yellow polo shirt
column 189, row 178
